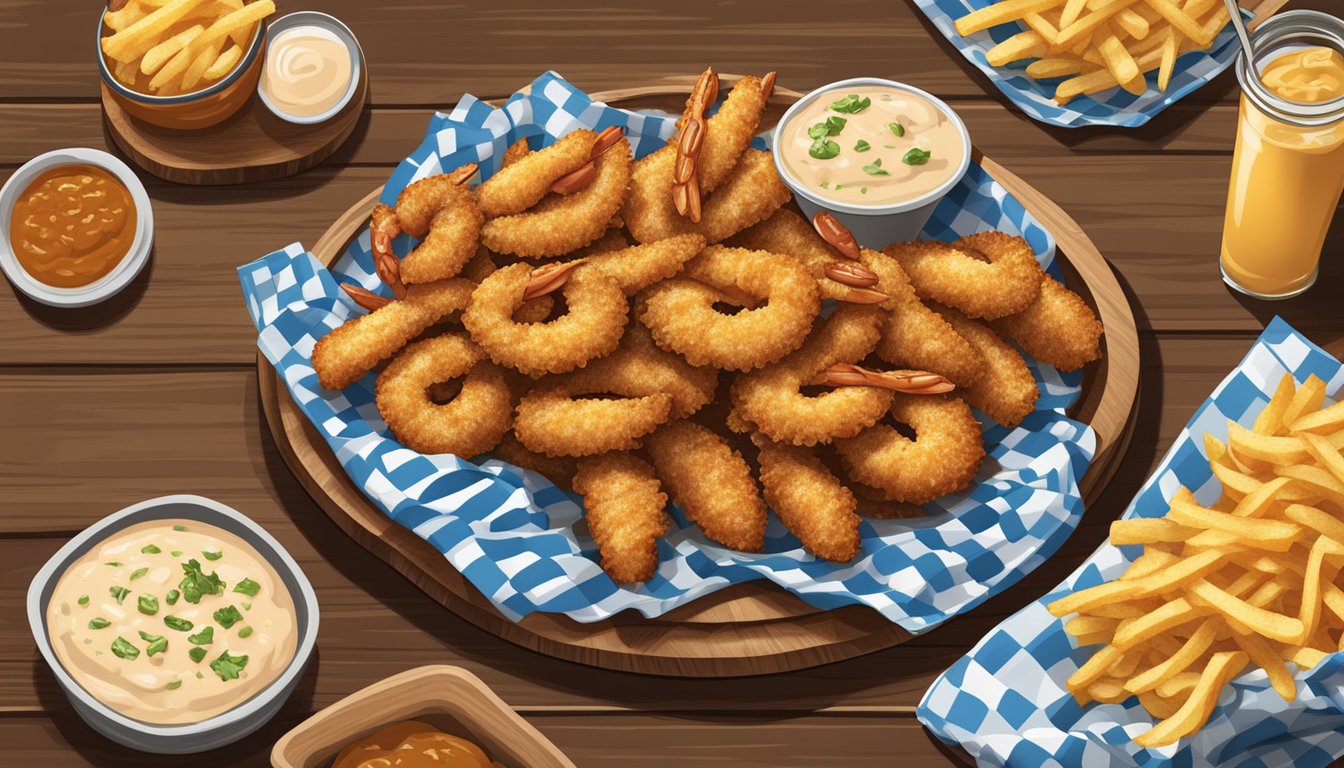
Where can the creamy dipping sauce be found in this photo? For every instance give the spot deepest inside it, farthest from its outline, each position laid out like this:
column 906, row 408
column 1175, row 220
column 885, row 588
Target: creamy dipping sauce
column 72, row 225
column 172, row 621
column 308, row 71
column 871, row 145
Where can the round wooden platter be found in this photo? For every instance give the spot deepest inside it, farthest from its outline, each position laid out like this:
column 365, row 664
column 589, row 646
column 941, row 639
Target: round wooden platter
column 252, row 145
column 747, row 629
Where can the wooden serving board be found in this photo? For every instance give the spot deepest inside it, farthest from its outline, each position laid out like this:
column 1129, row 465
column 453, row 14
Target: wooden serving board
column 747, row 629
column 252, row 145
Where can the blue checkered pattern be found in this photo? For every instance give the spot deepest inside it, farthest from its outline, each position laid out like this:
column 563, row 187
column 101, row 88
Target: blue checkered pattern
column 1006, row 702
column 522, row 541
column 1116, row 106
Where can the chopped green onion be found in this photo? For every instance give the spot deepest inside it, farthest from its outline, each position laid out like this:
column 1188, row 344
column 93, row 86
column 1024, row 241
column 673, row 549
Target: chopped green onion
column 157, row 643
column 197, row 582
column 245, row 632
column 171, row 597
column 247, row 587
column 851, row 104
column 114, row 563
column 119, row 593
column 83, row 599
column 98, row 622
column 196, row 655
column 176, row 553
column 150, row 549
column 824, row 149
column 179, row 527
column 896, row 128
column 174, row 685
column 916, row 156
column 211, row 555
column 204, row 637
column 138, row 572
column 228, row 667
column 863, row 190
column 178, row 623
column 124, row 650
column 148, row 604
column 228, row 616
column 861, row 146
column 875, row 168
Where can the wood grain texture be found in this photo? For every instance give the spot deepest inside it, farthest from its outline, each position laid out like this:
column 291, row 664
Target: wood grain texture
column 252, row 146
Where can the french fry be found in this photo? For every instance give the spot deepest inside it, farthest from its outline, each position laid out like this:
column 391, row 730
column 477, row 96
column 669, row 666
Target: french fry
column 1197, row 708
column 1178, row 19
column 1189, row 653
column 159, row 55
column 177, row 67
column 135, row 40
column 999, row 13
column 1020, row 46
column 1321, row 422
column 1041, row 26
column 1270, row 419
column 1129, row 20
column 1120, row 64
column 1056, row 66
column 1275, row 450
column 1140, row 530
column 199, row 65
column 127, row 15
column 1092, row 21
column 1308, row 399
column 1072, row 10
column 225, row 63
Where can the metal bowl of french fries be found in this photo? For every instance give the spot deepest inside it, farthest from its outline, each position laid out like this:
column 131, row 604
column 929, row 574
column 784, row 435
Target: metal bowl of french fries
column 1090, row 46
column 182, row 63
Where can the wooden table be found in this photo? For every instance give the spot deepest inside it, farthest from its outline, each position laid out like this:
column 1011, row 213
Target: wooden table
column 154, row 392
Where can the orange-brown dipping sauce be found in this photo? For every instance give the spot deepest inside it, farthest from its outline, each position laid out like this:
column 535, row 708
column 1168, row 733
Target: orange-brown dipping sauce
column 72, row 225
column 412, row 744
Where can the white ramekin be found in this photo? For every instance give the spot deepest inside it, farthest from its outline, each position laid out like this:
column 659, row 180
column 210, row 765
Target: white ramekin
column 342, row 33
column 213, row 732
column 874, row 226
column 121, row 275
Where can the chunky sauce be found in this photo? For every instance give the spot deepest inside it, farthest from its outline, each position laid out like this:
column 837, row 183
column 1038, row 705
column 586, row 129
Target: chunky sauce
column 307, row 71
column 412, row 744
column 871, row 145
column 72, row 225
column 1286, row 179
column 172, row 621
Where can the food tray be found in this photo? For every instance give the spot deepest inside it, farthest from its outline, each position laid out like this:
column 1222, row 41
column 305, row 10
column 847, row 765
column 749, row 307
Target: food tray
column 747, row 629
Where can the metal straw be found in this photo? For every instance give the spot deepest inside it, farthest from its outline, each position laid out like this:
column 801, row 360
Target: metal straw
column 1235, row 11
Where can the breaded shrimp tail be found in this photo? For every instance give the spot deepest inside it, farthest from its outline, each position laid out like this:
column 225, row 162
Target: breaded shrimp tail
column 810, row 501
column 711, row 482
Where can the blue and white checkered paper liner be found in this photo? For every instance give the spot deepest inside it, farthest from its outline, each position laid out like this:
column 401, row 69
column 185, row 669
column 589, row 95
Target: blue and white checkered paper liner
column 1115, row 106
column 520, row 540
column 1006, row 703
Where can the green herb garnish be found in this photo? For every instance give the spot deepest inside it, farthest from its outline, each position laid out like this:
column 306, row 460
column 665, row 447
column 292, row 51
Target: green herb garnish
column 199, row 676
column 196, row 655
column 180, row 624
column 916, row 156
column 148, row 604
column 211, row 555
column 875, row 168
column 176, row 553
column 839, row 187
column 197, row 582
column 179, row 527
column 863, row 190
column 98, row 622
column 247, row 587
column 896, row 128
column 832, row 126
column 113, row 563
column 823, row 149
column 825, row 185
column 150, row 549
column 83, row 600
column 157, row 643
column 245, row 632
column 124, row 650
column 247, row 606
column 204, row 637
column 851, row 104
column 171, row 597
column 138, row 572
column 228, row 616
column 228, row 667
column 119, row 593
column 861, row 146
column 174, row 685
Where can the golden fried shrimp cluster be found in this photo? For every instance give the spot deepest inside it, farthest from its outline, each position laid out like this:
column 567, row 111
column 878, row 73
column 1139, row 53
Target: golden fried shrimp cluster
column 695, row 365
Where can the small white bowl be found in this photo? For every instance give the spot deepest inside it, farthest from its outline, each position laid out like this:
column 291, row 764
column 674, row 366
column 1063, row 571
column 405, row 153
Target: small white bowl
column 121, row 275
column 213, row 732
column 874, row 226
column 331, row 24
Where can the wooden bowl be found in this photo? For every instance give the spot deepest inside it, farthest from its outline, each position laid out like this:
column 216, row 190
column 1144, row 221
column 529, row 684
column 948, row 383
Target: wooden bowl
column 449, row 698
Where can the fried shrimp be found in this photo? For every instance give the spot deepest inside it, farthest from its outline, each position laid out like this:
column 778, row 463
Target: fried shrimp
column 711, row 482
column 526, row 179
column 942, row 458
column 471, row 423
column 558, row 469
column 680, row 312
column 637, row 267
column 557, row 420
column 611, row 240
column 707, row 149
column 1058, row 328
column 440, row 210
column 1006, row 390
column 913, row 336
column 592, row 326
column 1006, row 281
column 351, row 350
column 770, row 400
column 750, row 194
column 638, row 367
column 515, row 152
column 810, row 501
column 560, row 224
column 623, row 503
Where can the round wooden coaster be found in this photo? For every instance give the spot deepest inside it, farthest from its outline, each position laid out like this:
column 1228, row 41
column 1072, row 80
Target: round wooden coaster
column 253, row 145
column 748, row 629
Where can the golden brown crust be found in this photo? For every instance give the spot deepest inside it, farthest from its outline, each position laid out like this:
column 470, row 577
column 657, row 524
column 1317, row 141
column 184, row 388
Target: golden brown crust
column 623, row 502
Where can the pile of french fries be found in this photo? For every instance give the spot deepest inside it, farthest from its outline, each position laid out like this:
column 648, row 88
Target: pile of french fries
column 1252, row 580
column 1099, row 44
column 168, row 47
